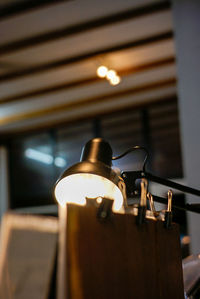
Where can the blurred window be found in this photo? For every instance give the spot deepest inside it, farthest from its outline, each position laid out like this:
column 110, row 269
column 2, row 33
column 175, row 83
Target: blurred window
column 31, row 171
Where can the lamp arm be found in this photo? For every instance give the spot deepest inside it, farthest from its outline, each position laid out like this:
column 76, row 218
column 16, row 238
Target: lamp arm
column 187, row 207
column 133, row 175
column 169, row 183
column 130, row 178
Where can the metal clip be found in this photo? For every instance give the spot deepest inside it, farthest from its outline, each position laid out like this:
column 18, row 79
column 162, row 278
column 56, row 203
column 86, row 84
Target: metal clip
column 144, row 185
column 168, row 213
column 143, row 202
column 151, row 202
column 169, row 206
column 105, row 209
column 155, row 213
column 122, row 187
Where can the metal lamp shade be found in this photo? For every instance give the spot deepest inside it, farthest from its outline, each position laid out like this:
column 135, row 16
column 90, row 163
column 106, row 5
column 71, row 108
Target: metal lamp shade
column 93, row 177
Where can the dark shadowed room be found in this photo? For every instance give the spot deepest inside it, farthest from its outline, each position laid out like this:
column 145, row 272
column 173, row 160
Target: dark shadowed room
column 99, row 149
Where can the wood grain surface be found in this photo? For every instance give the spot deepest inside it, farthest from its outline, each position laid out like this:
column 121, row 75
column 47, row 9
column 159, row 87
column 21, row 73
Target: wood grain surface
column 116, row 258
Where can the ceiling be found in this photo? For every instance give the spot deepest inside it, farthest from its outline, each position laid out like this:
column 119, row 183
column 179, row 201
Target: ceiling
column 50, row 50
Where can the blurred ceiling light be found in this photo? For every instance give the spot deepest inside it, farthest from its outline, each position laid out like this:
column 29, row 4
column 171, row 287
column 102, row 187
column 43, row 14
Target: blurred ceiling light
column 111, row 74
column 115, row 80
column 44, row 158
column 102, row 71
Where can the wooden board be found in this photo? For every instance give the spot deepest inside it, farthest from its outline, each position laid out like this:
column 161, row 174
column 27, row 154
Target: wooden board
column 118, row 259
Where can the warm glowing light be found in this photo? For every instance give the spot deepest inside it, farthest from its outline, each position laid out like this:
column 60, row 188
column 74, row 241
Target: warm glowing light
column 99, row 200
column 77, row 187
column 102, row 71
column 115, row 80
column 110, row 74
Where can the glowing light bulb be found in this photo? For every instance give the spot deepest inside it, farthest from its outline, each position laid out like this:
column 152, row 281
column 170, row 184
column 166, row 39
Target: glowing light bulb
column 110, row 74
column 115, row 80
column 89, row 186
column 102, row 71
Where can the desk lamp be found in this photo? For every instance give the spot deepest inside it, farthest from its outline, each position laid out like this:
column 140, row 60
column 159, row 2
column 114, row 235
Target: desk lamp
column 91, row 178
column 94, row 178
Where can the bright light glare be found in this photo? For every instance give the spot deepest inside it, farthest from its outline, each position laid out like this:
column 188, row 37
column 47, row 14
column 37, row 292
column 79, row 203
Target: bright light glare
column 110, row 74
column 75, row 188
column 60, row 162
column 115, row 80
column 44, row 158
column 39, row 156
column 102, row 71
column 99, row 199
